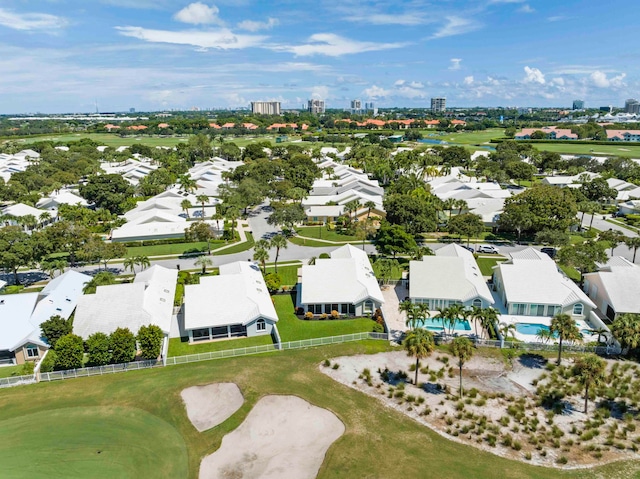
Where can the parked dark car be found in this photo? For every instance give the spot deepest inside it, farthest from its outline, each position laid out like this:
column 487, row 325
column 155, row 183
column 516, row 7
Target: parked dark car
column 470, row 248
column 550, row 251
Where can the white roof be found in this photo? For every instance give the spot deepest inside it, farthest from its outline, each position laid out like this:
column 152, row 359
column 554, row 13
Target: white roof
column 148, row 300
column 451, row 274
column 533, row 277
column 346, row 277
column 63, row 197
column 20, row 210
column 58, row 298
column 620, row 279
column 238, row 295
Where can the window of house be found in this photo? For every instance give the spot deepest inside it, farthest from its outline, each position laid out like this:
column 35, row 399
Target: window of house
column 32, row 352
column 200, row 334
column 261, row 325
column 536, row 310
column 327, row 308
column 553, row 310
column 477, row 303
column 368, row 307
column 519, row 309
column 344, row 308
column 352, row 309
column 335, row 307
column 578, row 308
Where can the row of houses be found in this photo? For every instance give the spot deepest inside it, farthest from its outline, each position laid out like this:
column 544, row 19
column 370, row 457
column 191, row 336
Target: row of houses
column 16, row 163
column 555, row 133
column 372, row 123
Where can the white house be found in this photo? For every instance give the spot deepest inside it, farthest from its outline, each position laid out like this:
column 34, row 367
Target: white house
column 22, row 314
column 20, row 210
column 132, row 170
column 626, row 191
column 345, row 283
column 530, row 284
column 63, row 197
column 450, row 277
column 148, row 300
column 234, row 304
column 208, row 174
column 615, row 287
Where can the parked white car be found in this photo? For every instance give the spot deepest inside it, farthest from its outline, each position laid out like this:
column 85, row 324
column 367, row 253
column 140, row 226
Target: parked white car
column 487, row 248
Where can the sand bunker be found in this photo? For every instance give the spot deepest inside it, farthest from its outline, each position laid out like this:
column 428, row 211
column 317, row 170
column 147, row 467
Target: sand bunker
column 282, row 437
column 210, row 405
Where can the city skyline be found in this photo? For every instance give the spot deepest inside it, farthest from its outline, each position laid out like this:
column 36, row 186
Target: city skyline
column 65, row 56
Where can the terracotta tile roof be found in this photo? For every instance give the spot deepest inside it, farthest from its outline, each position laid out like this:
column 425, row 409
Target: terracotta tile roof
column 111, row 127
column 250, row 126
column 458, row 122
column 228, row 125
column 215, row 126
column 432, row 122
column 621, row 133
column 163, row 125
column 137, row 127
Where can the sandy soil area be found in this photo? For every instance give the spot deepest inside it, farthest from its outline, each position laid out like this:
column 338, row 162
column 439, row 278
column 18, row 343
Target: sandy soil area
column 210, row 405
column 282, row 437
column 499, row 386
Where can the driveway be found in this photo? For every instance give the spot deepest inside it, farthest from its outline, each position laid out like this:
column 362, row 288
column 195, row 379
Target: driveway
column 396, row 320
column 258, row 222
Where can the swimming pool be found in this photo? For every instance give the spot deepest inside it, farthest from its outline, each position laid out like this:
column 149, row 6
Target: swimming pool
column 435, row 324
column 533, row 328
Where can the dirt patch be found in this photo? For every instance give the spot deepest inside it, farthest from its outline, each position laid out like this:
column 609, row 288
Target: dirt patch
column 210, row 405
column 282, row 437
column 500, row 411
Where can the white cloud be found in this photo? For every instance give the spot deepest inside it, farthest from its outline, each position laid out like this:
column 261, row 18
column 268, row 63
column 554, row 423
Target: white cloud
column 404, row 83
column 31, row 21
column 376, row 92
column 199, row 14
column 320, row 92
column 254, row 26
column 406, row 19
column 333, row 45
column 600, row 80
column 526, row 8
column 222, row 39
column 468, row 80
column 399, row 83
column 456, row 26
column 556, row 18
column 533, row 75
column 455, row 63
column 558, row 81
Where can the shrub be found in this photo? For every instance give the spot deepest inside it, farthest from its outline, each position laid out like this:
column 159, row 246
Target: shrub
column 324, row 316
column 378, row 328
column 335, row 314
column 516, row 446
column 49, row 362
column 69, row 352
column 308, row 315
column 335, row 366
column 54, row 328
column 527, row 456
column 150, row 340
column 326, row 363
column 98, row 349
column 123, row 345
column 562, row 460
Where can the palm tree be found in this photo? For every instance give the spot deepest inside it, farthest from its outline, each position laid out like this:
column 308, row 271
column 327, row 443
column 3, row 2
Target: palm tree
column 185, row 205
column 589, row 370
column 506, row 329
column 143, row 261
column 489, row 320
column 352, row 207
column 462, row 348
column 204, row 261
column 261, row 253
column 278, row 242
column 203, row 200
column 600, row 332
column 565, row 328
column 103, row 278
column 456, row 312
column 130, row 263
column 449, row 204
column 443, row 314
column 369, row 205
column 312, row 261
column 419, row 344
column 461, row 205
column 364, row 229
column 475, row 314
column 626, row 329
column 634, row 244
column 232, row 214
column 217, row 216
column 544, row 335
column 187, row 184
column 44, row 218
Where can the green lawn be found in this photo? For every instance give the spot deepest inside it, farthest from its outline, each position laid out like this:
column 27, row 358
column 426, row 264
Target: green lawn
column 111, row 139
column 486, row 264
column 172, row 249
column 177, row 347
column 292, row 329
column 91, row 441
column 321, row 232
column 288, row 274
column 237, row 248
column 312, row 243
column 571, row 272
column 379, row 442
column 465, row 137
column 577, row 148
column 6, row 371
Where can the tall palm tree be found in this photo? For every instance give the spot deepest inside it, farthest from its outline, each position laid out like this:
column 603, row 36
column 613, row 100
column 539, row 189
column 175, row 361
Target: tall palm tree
column 600, row 332
column 626, row 329
column 565, row 328
column 130, row 263
column 634, row 244
column 369, row 205
column 278, row 242
column 456, row 312
column 232, row 214
column 449, row 204
column 489, row 320
column 185, row 205
column 462, row 348
column 544, row 335
column 103, row 278
column 187, row 184
column 352, row 207
column 203, row 200
column 506, row 329
column 204, row 261
column 475, row 314
column 589, row 370
column 261, row 253
column 44, row 218
column 461, row 205
column 143, row 261
column 443, row 315
column 217, row 216
column 419, row 344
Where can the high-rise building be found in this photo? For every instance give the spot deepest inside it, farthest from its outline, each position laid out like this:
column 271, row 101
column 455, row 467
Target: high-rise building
column 578, row 104
column 438, row 104
column 632, row 106
column 315, row 106
column 356, row 106
column 265, row 107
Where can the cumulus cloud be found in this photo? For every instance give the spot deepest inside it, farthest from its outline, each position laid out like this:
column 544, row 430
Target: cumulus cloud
column 600, row 80
column 375, row 92
column 333, row 45
column 533, row 75
column 253, row 26
column 526, row 8
column 468, row 80
column 31, row 22
column 455, row 26
column 455, row 63
column 199, row 14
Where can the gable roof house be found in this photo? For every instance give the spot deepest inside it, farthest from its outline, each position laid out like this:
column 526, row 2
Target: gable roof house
column 234, row 304
column 22, row 314
column 450, row 277
column 345, row 282
column 530, row 284
column 148, row 300
column 614, row 288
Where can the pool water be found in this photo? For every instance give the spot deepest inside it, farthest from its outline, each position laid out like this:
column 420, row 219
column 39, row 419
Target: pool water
column 533, row 328
column 435, row 324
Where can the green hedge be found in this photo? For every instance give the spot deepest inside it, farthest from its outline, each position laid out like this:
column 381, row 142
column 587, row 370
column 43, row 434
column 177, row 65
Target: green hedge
column 133, row 244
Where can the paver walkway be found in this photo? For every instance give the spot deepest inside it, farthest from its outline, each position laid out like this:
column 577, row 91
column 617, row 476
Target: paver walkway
column 396, row 320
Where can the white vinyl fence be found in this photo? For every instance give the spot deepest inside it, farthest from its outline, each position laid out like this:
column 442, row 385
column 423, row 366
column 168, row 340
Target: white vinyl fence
column 17, row 381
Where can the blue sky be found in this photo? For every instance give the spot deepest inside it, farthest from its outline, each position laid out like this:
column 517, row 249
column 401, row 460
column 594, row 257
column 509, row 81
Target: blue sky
column 63, row 55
